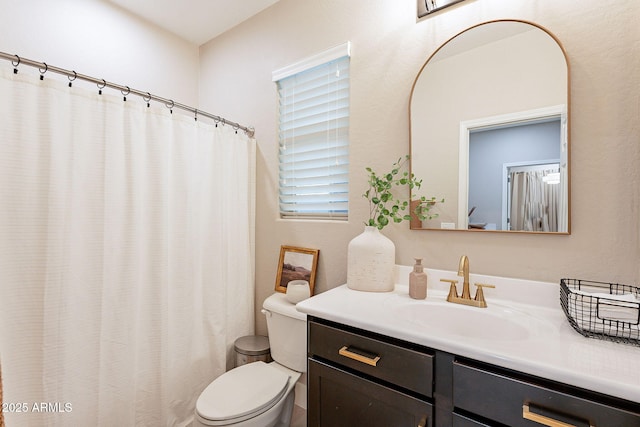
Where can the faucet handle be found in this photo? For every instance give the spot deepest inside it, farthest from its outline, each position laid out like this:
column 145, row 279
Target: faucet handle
column 480, row 294
column 453, row 291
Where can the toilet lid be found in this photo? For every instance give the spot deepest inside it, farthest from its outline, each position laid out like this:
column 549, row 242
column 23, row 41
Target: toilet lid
column 247, row 390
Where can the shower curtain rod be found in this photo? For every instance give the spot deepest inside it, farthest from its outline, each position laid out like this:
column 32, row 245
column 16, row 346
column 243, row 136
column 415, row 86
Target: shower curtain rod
column 125, row 90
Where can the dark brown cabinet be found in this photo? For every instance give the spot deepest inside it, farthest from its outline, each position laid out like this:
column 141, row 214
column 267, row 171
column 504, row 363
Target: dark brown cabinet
column 359, row 378
column 521, row 401
column 463, row 421
column 342, row 399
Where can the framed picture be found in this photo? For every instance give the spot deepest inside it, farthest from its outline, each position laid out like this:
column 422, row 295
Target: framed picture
column 296, row 264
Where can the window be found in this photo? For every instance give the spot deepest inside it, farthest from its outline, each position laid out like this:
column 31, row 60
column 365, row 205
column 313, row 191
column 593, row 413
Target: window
column 314, row 136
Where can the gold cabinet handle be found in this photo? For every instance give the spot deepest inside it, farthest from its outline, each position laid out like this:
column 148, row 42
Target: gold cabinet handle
column 541, row 419
column 344, row 351
column 423, row 422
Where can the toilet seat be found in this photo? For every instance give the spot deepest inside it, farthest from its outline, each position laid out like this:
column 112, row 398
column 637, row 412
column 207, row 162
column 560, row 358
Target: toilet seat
column 242, row 393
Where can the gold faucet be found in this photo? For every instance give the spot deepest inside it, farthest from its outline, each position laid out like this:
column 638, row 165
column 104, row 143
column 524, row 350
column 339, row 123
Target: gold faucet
column 465, row 298
column 463, row 271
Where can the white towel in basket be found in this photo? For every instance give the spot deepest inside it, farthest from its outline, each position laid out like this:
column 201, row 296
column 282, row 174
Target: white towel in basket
column 623, row 308
column 606, row 313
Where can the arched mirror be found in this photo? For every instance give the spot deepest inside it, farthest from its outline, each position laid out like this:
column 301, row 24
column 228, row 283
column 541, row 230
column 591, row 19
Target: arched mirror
column 489, row 132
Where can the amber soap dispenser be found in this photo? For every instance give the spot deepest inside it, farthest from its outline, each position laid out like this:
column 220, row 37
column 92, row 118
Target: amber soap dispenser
column 418, row 281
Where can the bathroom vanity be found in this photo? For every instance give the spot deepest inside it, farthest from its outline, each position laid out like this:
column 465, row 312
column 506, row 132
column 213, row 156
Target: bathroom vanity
column 383, row 359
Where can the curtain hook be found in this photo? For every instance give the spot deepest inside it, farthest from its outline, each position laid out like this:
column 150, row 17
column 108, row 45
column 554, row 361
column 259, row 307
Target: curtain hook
column 15, row 65
column 236, row 127
column 124, row 94
column 195, row 117
column 104, row 83
column 147, row 99
column 46, row 68
column 216, row 120
column 75, row 76
column 170, row 105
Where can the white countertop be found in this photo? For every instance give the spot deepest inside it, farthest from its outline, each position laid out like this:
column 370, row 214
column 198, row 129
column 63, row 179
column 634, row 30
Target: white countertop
column 559, row 353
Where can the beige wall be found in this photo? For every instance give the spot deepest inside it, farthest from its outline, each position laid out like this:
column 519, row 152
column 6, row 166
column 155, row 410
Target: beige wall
column 389, row 45
column 96, row 38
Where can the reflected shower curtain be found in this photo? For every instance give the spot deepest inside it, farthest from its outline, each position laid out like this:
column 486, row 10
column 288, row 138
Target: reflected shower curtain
column 126, row 256
column 534, row 203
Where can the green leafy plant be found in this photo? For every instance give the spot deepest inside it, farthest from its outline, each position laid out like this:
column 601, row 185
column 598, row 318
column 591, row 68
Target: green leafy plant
column 385, row 206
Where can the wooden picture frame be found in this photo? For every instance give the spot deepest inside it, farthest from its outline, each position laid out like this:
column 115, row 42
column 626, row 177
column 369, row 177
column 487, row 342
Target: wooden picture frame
column 296, row 264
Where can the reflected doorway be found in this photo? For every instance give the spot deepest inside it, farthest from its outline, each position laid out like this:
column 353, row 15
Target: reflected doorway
column 495, row 203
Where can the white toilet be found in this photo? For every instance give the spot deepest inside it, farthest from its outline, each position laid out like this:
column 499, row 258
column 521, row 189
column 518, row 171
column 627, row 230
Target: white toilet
column 261, row 394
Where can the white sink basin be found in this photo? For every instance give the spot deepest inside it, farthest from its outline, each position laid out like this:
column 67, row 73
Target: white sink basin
column 492, row 323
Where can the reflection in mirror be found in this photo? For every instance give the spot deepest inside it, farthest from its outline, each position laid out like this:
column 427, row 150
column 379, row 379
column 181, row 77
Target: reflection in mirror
column 489, row 130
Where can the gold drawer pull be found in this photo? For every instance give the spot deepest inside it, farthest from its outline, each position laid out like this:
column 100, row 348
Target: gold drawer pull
column 541, row 419
column 344, row 351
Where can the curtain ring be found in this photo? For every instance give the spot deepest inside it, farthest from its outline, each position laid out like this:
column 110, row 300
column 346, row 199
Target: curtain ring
column 15, row 64
column 124, row 94
column 75, row 76
column 170, row 105
column 195, row 116
column 147, row 99
column 104, row 83
column 46, row 68
column 236, row 127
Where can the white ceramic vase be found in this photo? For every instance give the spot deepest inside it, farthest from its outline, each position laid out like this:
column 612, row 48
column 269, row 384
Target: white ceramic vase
column 371, row 257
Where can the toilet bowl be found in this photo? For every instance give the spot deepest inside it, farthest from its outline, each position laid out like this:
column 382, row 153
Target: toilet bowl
column 254, row 395
column 260, row 394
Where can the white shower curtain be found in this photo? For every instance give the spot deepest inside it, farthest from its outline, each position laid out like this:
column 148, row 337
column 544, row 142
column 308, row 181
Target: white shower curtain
column 534, row 203
column 126, row 255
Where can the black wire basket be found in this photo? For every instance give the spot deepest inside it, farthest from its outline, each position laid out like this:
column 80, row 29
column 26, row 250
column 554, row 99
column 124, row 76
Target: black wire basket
column 609, row 311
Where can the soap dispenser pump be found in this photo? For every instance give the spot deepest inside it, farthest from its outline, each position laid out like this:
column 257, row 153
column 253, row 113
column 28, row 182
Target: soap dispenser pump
column 418, row 281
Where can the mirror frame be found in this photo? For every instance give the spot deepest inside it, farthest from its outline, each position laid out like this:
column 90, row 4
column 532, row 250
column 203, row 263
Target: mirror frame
column 413, row 224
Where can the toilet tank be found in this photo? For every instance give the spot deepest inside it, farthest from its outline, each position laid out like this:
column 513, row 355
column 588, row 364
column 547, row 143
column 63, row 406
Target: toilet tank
column 287, row 332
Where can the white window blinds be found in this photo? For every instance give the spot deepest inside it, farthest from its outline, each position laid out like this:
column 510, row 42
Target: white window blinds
column 314, row 137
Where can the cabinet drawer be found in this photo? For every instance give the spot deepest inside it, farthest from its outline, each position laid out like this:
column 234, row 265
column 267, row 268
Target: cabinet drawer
column 516, row 403
column 404, row 367
column 341, row 399
column 462, row 421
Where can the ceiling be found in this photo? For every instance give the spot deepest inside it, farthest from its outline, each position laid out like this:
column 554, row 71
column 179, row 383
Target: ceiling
column 197, row 21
